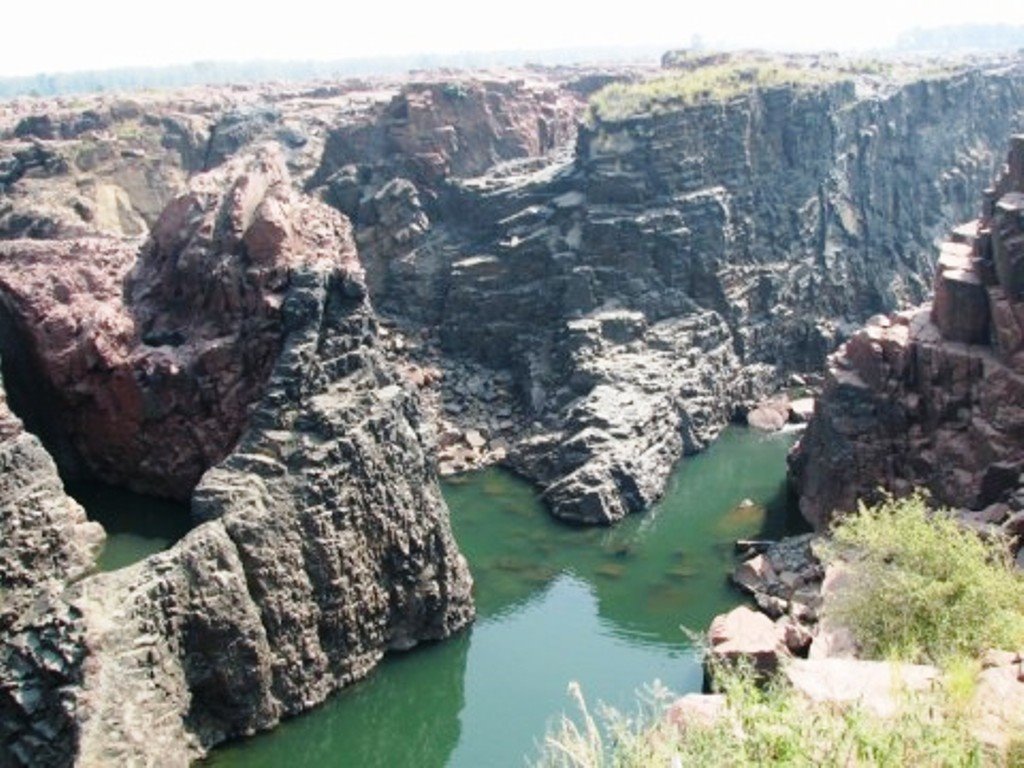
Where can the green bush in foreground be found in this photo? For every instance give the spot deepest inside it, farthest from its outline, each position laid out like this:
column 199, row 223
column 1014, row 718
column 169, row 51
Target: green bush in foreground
column 770, row 725
column 922, row 588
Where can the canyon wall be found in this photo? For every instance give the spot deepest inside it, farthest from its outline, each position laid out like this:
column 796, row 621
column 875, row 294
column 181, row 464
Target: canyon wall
column 238, row 351
column 179, row 313
column 657, row 279
column 933, row 396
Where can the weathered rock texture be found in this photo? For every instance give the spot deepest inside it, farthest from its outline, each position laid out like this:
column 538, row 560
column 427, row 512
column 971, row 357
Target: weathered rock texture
column 593, row 299
column 150, row 364
column 326, row 541
column 45, row 538
column 657, row 279
column 45, row 543
column 933, row 396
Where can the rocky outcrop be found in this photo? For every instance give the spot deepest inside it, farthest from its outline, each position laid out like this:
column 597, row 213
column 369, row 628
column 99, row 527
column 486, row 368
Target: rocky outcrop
column 45, row 539
column 933, row 396
column 670, row 274
column 45, row 543
column 454, row 128
column 150, row 364
column 497, row 233
column 326, row 541
column 638, row 398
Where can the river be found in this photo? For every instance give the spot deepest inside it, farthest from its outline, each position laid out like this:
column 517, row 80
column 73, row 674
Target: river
column 603, row 607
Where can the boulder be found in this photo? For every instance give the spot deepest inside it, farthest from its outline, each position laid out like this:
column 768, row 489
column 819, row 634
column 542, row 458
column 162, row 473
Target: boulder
column 696, row 710
column 997, row 707
column 877, row 686
column 770, row 415
column 745, row 634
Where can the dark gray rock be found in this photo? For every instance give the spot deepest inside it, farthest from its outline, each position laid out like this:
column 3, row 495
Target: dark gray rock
column 327, row 544
column 779, row 218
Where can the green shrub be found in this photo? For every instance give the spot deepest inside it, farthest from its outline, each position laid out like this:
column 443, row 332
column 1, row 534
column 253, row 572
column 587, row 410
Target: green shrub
column 923, row 588
column 764, row 726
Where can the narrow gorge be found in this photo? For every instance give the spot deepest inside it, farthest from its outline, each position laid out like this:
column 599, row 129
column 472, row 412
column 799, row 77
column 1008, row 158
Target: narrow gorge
column 294, row 307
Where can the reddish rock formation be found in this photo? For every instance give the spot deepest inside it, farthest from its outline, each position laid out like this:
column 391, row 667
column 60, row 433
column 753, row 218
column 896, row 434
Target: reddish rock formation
column 430, row 131
column 932, row 396
column 156, row 360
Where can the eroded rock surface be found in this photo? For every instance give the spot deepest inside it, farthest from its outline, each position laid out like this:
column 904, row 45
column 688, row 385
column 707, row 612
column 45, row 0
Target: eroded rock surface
column 667, row 272
column 152, row 354
column 932, row 396
column 325, row 542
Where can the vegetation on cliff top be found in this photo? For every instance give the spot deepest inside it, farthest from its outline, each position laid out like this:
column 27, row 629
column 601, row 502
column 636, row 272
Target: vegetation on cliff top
column 714, row 83
column 716, row 78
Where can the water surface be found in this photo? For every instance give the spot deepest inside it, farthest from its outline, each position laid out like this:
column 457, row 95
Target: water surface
column 602, row 607
column 136, row 525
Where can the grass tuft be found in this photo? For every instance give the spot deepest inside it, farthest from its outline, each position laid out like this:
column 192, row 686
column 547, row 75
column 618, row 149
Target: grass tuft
column 768, row 725
column 923, row 588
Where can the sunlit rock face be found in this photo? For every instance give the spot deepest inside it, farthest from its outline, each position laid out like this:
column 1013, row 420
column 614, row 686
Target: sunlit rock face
column 241, row 338
column 663, row 275
column 152, row 353
column 933, row 396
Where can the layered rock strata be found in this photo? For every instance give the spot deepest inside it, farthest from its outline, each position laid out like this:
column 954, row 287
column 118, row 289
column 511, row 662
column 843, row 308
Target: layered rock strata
column 745, row 235
column 933, row 396
column 502, row 236
column 325, row 542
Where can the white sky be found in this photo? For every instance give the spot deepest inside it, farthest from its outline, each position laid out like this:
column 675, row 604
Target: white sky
column 61, row 35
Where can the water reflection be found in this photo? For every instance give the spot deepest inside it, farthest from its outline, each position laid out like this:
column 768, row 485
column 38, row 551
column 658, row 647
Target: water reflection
column 651, row 572
column 405, row 714
column 555, row 603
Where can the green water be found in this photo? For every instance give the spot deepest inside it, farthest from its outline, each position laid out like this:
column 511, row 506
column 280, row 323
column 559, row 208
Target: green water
column 599, row 606
column 136, row 525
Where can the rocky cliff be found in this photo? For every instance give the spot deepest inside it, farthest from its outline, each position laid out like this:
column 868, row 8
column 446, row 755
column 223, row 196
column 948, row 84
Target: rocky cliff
column 151, row 390
column 654, row 280
column 933, row 396
column 242, row 337
column 179, row 313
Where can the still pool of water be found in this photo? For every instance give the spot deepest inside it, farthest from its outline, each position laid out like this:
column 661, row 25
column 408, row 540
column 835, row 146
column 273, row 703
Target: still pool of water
column 602, row 607
column 136, row 525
